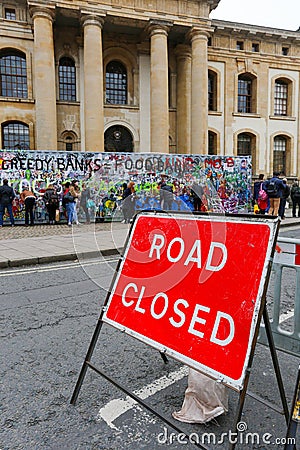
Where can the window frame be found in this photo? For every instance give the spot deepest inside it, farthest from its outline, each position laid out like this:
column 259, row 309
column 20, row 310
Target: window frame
column 16, row 125
column 10, row 11
column 245, row 95
column 116, row 84
column 67, row 79
column 247, row 138
column 212, row 143
column 212, row 90
column 280, row 164
column 13, row 74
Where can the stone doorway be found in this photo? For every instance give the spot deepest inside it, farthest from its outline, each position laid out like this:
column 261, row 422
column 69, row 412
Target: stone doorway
column 118, row 139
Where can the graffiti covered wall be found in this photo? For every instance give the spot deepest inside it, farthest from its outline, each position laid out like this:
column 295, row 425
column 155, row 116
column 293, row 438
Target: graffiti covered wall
column 223, row 182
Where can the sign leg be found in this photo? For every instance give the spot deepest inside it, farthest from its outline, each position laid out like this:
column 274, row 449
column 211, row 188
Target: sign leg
column 86, row 361
column 276, row 364
column 294, row 417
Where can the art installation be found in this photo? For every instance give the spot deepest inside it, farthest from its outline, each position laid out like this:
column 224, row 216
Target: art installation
column 222, row 183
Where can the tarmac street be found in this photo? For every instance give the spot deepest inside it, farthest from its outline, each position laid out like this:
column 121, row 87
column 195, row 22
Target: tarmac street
column 49, row 310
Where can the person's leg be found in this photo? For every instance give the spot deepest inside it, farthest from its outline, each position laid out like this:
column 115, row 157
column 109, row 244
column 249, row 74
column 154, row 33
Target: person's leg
column 294, row 208
column 26, row 212
column 276, row 206
column 1, row 214
column 271, row 209
column 10, row 212
column 69, row 213
column 51, row 211
column 48, row 211
column 75, row 215
column 87, row 214
column 72, row 212
column 281, row 210
column 31, row 210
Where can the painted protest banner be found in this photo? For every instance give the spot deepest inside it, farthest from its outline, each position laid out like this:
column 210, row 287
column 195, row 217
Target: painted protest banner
column 223, row 182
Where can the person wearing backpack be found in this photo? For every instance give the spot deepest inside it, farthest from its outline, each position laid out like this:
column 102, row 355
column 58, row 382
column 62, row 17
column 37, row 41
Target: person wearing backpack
column 6, row 198
column 274, row 188
column 295, row 196
column 51, row 200
column 260, row 196
column 285, row 195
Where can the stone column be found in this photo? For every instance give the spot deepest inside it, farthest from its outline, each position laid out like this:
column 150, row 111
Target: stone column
column 199, row 102
column 44, row 80
column 183, row 54
column 159, row 98
column 93, row 84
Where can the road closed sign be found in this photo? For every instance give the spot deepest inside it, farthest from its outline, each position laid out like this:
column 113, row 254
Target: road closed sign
column 191, row 286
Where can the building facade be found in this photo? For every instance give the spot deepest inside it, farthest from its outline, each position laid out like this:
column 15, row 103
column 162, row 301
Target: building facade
column 148, row 76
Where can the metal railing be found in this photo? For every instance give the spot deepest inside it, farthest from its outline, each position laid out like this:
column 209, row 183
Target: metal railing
column 283, row 298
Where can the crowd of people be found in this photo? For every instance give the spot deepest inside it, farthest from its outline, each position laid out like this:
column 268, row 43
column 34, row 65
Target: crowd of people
column 71, row 197
column 270, row 196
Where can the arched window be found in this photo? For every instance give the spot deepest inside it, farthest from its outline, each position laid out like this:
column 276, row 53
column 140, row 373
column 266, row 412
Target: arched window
column 15, row 136
column 116, row 83
column 212, row 143
column 67, row 79
column 246, row 101
column 281, row 97
column 118, row 139
column 279, row 154
column 212, row 91
column 69, row 144
column 244, row 144
column 13, row 74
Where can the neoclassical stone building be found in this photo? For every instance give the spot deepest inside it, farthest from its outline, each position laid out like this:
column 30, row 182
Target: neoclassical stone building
column 148, row 76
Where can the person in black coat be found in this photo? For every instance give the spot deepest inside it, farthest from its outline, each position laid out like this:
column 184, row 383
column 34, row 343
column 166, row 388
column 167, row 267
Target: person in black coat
column 284, row 196
column 166, row 196
column 128, row 204
column 51, row 200
column 85, row 196
column 6, row 198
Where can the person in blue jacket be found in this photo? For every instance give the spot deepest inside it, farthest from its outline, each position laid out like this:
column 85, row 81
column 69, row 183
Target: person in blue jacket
column 274, row 188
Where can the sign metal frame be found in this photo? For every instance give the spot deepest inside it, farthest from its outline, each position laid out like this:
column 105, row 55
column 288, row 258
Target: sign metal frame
column 261, row 313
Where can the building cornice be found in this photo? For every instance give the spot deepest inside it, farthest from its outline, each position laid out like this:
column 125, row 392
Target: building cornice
column 254, row 30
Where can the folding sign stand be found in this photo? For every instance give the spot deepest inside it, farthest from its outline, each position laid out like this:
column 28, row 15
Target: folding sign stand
column 193, row 258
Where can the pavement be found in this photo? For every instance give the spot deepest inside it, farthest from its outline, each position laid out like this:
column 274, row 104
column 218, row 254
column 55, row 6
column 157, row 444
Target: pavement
column 20, row 245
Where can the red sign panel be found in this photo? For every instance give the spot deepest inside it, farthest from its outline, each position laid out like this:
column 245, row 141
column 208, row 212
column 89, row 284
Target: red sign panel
column 191, row 286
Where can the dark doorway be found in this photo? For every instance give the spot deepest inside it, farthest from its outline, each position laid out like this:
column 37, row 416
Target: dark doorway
column 118, row 139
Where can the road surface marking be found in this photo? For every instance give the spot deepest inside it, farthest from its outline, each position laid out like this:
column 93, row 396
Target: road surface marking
column 285, row 316
column 118, row 406
column 53, row 268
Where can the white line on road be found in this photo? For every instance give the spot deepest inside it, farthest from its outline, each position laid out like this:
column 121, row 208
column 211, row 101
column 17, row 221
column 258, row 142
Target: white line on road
column 60, row 267
column 115, row 408
column 118, row 406
column 285, row 316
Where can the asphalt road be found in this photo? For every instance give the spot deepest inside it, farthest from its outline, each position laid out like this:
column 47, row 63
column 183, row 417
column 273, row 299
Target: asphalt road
column 48, row 315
